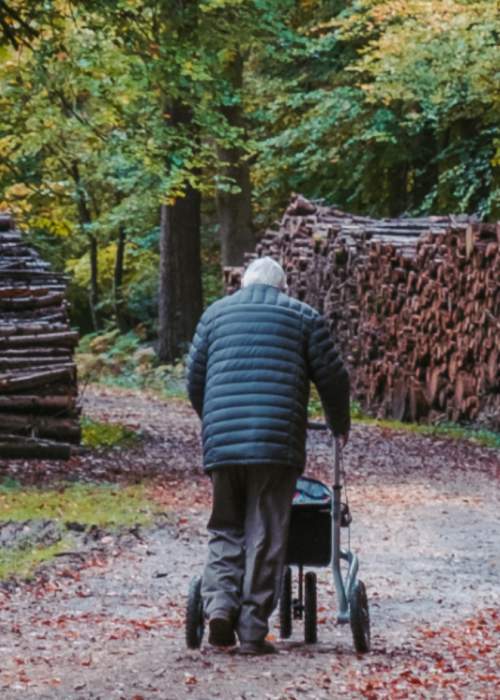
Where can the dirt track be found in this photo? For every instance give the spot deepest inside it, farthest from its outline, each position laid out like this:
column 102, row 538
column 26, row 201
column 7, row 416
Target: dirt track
column 110, row 625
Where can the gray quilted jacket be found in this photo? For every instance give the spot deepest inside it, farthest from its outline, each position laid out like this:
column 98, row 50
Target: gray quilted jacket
column 249, row 367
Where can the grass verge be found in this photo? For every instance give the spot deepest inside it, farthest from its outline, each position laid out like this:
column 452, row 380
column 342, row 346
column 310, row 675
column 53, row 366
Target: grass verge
column 100, row 434
column 24, row 561
column 105, row 505
column 450, row 431
column 108, row 506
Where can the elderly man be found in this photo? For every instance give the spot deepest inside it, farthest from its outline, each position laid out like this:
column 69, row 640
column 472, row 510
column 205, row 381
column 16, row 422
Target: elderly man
column 249, row 369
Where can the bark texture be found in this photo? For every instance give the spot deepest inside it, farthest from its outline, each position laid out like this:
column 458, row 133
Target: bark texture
column 180, row 287
column 85, row 219
column 234, row 209
column 180, row 297
column 119, row 301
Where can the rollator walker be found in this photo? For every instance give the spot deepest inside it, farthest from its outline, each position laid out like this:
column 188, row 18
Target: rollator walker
column 317, row 519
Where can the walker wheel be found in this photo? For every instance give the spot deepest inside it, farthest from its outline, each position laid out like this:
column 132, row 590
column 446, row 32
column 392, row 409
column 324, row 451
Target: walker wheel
column 195, row 622
column 286, row 605
column 310, row 618
column 360, row 618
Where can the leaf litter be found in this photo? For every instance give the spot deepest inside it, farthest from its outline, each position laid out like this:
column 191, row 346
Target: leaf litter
column 106, row 621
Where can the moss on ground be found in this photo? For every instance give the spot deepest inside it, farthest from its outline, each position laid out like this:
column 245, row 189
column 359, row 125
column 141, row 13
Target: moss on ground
column 24, row 561
column 100, row 434
column 107, row 506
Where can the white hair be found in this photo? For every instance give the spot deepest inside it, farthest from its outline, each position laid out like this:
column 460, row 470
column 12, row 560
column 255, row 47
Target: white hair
column 265, row 271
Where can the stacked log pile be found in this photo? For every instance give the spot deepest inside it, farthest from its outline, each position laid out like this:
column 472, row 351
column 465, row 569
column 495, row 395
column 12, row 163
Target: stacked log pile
column 39, row 416
column 414, row 305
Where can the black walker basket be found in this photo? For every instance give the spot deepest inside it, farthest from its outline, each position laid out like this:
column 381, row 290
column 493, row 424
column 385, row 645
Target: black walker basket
column 314, row 540
column 310, row 535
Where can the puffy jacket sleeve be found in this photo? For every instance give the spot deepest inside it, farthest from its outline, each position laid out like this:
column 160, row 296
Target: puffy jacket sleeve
column 330, row 376
column 197, row 366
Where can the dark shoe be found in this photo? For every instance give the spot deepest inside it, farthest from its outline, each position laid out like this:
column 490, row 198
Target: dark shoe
column 220, row 632
column 257, row 648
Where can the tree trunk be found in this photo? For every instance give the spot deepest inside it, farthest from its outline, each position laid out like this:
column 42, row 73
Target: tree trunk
column 180, row 293
column 94, row 285
column 234, row 209
column 119, row 302
column 180, row 289
column 85, row 219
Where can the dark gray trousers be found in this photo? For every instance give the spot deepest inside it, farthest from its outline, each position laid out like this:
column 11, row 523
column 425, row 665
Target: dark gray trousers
column 247, row 547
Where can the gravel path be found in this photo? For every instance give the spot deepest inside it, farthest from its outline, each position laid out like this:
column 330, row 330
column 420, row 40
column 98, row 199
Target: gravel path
column 109, row 625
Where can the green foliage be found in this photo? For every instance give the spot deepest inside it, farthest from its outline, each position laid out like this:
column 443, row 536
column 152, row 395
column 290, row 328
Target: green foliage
column 356, row 411
column 100, row 434
column 89, row 143
column 125, row 360
column 315, row 407
column 384, row 107
column 381, row 106
column 486, row 438
column 212, row 271
column 139, row 263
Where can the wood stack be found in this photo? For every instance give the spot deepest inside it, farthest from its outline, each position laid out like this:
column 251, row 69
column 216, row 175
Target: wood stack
column 414, row 305
column 39, row 416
